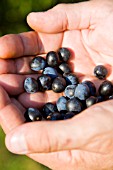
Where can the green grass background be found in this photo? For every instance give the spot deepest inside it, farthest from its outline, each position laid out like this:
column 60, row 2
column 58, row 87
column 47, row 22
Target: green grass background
column 9, row 161
column 13, row 20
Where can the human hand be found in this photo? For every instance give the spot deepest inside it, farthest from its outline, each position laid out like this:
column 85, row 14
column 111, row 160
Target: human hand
column 89, row 146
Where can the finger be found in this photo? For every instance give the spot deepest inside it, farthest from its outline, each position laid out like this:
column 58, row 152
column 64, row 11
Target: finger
column 61, row 18
column 18, row 105
column 84, row 131
column 38, row 99
column 13, row 83
column 16, row 45
column 7, row 66
column 17, row 66
column 29, row 43
column 10, row 114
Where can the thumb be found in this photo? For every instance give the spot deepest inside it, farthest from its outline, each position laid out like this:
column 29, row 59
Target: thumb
column 84, row 131
column 61, row 17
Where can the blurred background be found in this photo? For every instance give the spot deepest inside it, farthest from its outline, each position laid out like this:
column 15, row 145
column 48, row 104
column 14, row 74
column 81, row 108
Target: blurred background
column 13, row 13
column 13, row 20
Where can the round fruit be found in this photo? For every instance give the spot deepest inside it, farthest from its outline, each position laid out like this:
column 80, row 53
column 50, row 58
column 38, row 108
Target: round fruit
column 61, row 104
column 90, row 101
column 64, row 67
column 31, row 85
column 44, row 82
column 56, row 116
column 64, row 54
column 69, row 115
column 51, row 72
column 58, row 85
column 99, row 99
column 82, row 91
column 38, row 63
column 100, row 72
column 91, row 86
column 48, row 109
column 106, row 88
column 70, row 91
column 32, row 114
column 71, row 78
column 110, row 97
column 74, row 105
column 52, row 58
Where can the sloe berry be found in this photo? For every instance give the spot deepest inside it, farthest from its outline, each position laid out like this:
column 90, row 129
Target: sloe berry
column 52, row 58
column 64, row 54
column 61, row 104
column 38, row 63
column 31, row 85
column 32, row 114
column 58, row 84
column 50, row 71
column 82, row 91
column 100, row 72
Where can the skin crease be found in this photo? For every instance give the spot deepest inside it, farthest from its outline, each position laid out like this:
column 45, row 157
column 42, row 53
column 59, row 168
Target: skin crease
column 86, row 141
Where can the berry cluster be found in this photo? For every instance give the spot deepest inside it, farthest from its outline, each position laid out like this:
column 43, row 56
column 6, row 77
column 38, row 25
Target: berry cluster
column 57, row 75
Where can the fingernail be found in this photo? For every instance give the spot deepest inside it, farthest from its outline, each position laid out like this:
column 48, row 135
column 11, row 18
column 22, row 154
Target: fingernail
column 16, row 143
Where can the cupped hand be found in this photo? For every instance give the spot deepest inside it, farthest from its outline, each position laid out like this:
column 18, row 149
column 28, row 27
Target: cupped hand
column 85, row 141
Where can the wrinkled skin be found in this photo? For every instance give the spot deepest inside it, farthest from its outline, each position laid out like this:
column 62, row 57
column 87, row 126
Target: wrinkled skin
column 84, row 142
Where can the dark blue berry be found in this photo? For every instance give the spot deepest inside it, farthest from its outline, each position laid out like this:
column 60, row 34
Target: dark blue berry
column 90, row 101
column 106, row 88
column 58, row 84
column 69, row 115
column 99, row 99
column 71, row 78
column 48, row 109
column 64, row 54
column 51, row 72
column 38, row 63
column 61, row 104
column 52, row 58
column 91, row 86
column 110, row 97
column 31, row 85
column 44, row 82
column 70, row 91
column 32, row 114
column 64, row 67
column 100, row 72
column 74, row 105
column 82, row 91
column 56, row 116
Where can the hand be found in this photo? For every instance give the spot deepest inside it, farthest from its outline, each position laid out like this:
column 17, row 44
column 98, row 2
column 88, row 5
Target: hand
column 84, row 142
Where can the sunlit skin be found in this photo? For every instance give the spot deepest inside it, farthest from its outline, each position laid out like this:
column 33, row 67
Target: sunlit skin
column 84, row 142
